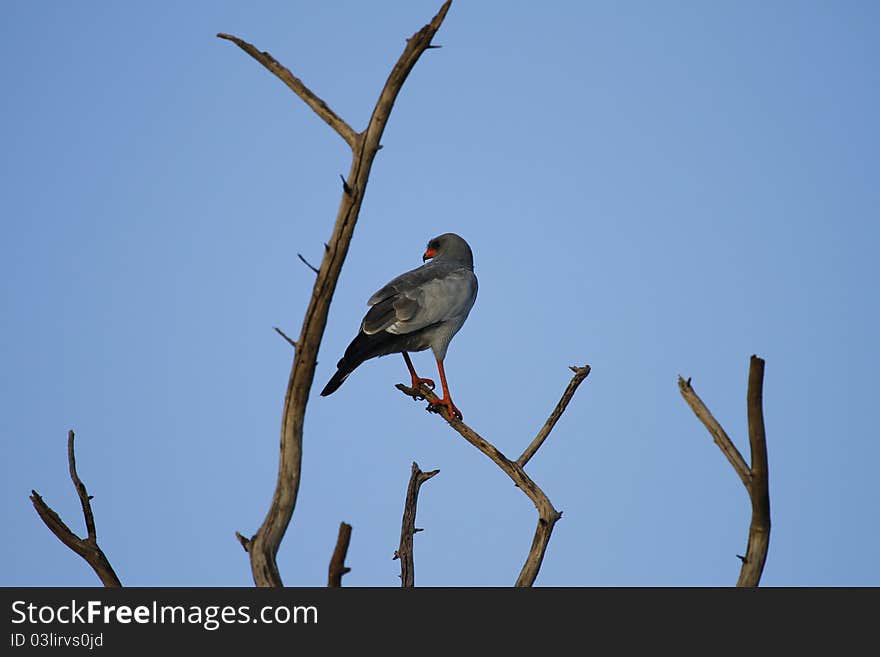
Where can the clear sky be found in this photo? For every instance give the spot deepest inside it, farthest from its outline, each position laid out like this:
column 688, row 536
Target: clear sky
column 651, row 188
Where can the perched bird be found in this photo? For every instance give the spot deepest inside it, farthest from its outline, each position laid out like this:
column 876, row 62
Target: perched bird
column 423, row 308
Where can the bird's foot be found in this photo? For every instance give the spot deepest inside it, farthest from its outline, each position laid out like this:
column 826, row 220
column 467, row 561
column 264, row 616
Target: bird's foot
column 452, row 408
column 417, row 382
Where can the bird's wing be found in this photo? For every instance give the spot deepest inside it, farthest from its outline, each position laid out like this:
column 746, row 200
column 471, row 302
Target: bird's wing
column 433, row 293
column 411, row 279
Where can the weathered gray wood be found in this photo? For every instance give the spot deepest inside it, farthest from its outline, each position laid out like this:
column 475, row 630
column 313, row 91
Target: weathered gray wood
column 296, row 85
column 547, row 515
column 759, row 491
column 755, row 477
column 337, row 566
column 408, row 525
column 580, row 373
column 719, row 435
column 88, row 547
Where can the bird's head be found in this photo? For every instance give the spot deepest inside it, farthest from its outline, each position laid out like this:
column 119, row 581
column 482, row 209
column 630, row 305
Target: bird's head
column 449, row 247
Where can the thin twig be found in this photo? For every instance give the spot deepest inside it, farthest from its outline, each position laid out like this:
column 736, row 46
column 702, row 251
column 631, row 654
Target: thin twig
column 80, row 487
column 264, row 545
column 754, row 477
column 337, row 562
column 290, row 340
column 307, row 263
column 296, row 85
column 547, row 514
column 580, row 373
column 716, row 430
column 88, row 547
column 408, row 526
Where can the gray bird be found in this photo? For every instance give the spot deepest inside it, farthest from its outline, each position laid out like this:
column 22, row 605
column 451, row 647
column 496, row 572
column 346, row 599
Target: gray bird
column 423, row 308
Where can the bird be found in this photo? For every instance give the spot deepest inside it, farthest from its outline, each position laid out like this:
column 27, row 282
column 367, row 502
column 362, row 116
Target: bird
column 421, row 309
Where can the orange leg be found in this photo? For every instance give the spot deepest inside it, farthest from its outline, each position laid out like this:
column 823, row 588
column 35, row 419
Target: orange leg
column 416, row 379
column 447, row 399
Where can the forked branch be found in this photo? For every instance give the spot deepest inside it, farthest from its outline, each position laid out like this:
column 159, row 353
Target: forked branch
column 263, row 546
column 87, row 547
column 408, row 526
column 755, row 478
column 547, row 514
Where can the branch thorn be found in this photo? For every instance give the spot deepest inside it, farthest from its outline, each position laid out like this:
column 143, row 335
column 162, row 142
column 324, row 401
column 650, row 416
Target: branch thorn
column 307, row 263
column 345, row 186
column 284, row 335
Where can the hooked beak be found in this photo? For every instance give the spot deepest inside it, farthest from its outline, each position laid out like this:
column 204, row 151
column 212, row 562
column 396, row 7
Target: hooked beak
column 430, row 253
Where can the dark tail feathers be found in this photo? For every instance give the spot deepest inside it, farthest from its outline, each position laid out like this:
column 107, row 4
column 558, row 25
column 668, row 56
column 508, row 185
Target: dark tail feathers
column 336, row 380
column 362, row 348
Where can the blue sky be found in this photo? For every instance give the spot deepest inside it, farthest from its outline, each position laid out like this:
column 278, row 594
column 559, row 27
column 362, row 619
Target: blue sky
column 651, row 188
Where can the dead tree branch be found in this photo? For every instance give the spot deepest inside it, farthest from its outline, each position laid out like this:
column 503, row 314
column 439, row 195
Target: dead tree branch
column 296, row 85
column 408, row 526
column 88, row 547
column 719, row 435
column 337, row 562
column 759, row 491
column 263, row 546
column 547, row 515
column 580, row 373
column 754, row 478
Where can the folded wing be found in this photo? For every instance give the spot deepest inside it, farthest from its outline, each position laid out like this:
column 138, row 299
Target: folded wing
column 433, row 293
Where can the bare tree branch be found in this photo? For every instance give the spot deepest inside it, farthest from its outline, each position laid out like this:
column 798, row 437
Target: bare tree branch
column 88, row 547
column 296, row 85
column 408, row 526
column 263, row 547
column 580, row 373
column 716, row 430
column 337, row 562
column 547, row 515
column 755, row 478
column 759, row 491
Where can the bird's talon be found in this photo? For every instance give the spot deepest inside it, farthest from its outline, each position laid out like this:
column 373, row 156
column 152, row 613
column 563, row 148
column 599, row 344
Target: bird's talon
column 417, row 383
column 454, row 413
